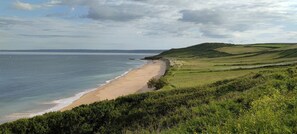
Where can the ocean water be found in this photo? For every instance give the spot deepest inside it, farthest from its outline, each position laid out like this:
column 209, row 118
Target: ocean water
column 35, row 83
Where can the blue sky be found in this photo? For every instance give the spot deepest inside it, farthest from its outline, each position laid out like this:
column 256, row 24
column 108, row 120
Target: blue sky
column 143, row 24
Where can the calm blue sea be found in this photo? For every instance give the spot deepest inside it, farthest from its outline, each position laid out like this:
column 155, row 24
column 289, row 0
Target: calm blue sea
column 33, row 83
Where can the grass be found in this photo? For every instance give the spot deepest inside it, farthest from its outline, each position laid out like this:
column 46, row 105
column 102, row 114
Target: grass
column 241, row 49
column 189, row 71
column 187, row 79
column 290, row 53
column 267, row 108
column 273, row 45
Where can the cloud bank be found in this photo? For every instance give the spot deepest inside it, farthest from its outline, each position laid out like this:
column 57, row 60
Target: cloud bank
column 166, row 23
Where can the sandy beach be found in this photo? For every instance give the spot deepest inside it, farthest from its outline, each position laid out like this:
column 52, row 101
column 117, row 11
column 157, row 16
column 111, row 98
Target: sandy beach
column 133, row 82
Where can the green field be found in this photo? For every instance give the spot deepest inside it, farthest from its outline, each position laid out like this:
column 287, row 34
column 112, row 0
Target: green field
column 211, row 88
column 192, row 69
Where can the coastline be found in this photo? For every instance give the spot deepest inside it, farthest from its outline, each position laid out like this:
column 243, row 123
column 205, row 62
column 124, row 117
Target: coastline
column 64, row 102
column 134, row 81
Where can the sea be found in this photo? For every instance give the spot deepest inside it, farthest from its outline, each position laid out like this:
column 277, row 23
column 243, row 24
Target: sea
column 33, row 83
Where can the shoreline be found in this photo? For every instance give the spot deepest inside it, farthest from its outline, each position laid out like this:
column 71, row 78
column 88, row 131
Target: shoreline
column 131, row 82
column 64, row 102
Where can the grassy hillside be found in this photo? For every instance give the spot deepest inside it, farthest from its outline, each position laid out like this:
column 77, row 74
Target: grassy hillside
column 231, row 91
column 201, row 50
column 238, row 60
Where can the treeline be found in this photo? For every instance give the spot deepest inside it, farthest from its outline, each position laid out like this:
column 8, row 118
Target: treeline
column 264, row 102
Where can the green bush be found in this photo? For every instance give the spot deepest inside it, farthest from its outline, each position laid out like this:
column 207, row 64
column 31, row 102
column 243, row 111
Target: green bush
column 157, row 83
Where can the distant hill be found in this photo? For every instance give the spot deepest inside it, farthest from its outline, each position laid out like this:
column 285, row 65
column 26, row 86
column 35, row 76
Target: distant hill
column 213, row 50
column 200, row 50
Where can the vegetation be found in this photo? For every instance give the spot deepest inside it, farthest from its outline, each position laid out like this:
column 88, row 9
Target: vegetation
column 189, row 71
column 157, row 83
column 227, row 92
column 201, row 50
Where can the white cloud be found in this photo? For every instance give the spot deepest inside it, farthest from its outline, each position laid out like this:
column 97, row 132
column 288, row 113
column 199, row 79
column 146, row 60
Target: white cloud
column 23, row 6
column 28, row 6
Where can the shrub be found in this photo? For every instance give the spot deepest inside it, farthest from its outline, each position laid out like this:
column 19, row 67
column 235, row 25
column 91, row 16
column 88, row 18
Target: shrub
column 157, row 83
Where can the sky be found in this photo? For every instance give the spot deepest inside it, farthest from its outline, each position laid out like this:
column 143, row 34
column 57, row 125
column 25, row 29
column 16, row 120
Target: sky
column 143, row 24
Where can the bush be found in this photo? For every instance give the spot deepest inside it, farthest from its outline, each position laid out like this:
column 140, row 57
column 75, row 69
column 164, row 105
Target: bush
column 157, row 83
